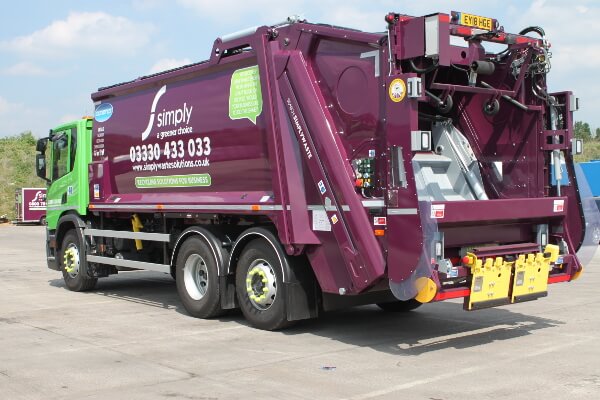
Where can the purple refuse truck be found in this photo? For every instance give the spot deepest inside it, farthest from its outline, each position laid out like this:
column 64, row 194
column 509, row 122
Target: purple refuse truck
column 306, row 167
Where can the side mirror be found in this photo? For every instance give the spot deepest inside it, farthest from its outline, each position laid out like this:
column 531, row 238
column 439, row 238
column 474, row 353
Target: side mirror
column 41, row 145
column 40, row 166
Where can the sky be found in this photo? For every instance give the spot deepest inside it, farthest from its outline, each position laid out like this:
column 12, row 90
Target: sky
column 53, row 55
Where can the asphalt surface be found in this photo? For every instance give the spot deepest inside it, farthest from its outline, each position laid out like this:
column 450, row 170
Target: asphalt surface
column 132, row 339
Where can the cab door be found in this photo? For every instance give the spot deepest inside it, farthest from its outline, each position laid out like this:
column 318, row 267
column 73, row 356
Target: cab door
column 62, row 189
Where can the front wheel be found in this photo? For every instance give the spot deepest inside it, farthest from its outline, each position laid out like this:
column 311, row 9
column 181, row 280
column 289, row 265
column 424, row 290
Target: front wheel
column 259, row 286
column 72, row 260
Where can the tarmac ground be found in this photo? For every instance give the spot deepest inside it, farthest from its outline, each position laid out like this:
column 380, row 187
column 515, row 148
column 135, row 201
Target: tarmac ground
column 132, row 339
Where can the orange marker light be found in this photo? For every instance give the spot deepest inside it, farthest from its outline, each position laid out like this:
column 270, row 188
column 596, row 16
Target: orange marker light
column 255, row 207
column 379, row 232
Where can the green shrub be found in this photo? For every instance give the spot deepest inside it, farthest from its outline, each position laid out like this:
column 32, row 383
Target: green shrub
column 17, row 169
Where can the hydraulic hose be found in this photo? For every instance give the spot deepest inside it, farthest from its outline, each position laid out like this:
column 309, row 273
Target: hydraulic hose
column 536, row 29
column 422, row 70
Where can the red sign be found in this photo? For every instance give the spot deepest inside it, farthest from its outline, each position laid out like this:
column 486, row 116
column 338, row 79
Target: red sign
column 438, row 210
column 559, row 206
column 379, row 221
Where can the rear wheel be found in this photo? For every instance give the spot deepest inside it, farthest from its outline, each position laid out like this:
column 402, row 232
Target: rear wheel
column 72, row 261
column 400, row 306
column 259, row 286
column 197, row 279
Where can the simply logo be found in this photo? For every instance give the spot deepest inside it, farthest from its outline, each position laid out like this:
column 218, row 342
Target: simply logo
column 103, row 112
column 38, row 201
column 40, row 197
column 157, row 97
column 164, row 118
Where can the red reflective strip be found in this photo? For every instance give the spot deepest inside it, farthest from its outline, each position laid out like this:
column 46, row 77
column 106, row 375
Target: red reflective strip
column 463, row 31
column 451, row 294
column 524, row 39
column 559, row 278
column 521, row 39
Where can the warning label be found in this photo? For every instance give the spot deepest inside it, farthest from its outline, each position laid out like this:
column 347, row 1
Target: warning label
column 438, row 211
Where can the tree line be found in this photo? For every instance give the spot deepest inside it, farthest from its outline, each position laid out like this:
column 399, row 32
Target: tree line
column 582, row 130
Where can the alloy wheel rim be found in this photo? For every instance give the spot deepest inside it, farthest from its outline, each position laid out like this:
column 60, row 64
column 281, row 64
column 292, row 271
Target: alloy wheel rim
column 195, row 276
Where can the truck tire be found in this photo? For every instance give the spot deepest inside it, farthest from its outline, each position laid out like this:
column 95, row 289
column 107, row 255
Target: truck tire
column 400, row 306
column 72, row 252
column 259, row 286
column 197, row 279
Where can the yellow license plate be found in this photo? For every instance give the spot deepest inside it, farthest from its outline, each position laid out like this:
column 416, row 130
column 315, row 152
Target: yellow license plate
column 476, row 21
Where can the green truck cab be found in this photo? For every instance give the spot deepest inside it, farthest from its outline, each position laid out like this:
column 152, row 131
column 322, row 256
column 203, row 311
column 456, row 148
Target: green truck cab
column 62, row 162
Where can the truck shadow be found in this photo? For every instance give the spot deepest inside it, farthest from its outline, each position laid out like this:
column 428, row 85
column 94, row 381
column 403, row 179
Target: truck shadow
column 432, row 327
column 141, row 287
